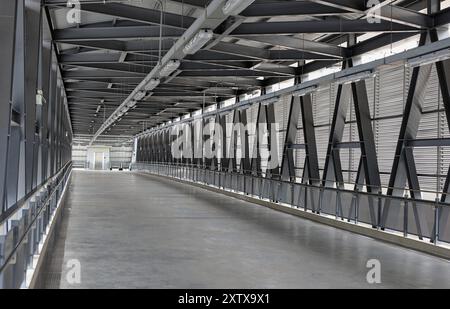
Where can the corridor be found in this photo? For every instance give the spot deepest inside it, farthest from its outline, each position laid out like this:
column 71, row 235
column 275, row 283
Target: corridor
column 140, row 231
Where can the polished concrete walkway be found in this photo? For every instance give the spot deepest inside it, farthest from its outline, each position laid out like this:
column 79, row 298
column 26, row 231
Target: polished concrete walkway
column 138, row 231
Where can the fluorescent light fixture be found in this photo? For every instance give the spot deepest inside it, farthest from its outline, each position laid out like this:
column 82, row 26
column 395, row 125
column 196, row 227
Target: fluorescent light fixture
column 440, row 55
column 198, row 41
column 243, row 107
column 209, row 116
column 256, row 65
column 132, row 104
column 224, row 112
column 98, row 109
column 140, row 95
column 235, row 7
column 305, row 91
column 169, row 68
column 345, row 80
column 152, row 84
column 270, row 101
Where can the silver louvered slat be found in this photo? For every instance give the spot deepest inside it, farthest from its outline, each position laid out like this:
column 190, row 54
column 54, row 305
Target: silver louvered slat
column 391, row 96
column 322, row 107
column 390, row 100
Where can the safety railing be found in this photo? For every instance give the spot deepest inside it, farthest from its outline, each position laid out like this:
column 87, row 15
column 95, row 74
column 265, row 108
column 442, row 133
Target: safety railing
column 422, row 219
column 24, row 230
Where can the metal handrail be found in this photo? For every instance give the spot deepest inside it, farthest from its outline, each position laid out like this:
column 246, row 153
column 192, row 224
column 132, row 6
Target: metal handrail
column 278, row 177
column 6, row 261
column 11, row 211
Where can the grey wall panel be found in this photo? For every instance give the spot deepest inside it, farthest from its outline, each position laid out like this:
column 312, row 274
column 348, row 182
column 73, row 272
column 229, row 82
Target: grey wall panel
column 7, row 26
column 25, row 152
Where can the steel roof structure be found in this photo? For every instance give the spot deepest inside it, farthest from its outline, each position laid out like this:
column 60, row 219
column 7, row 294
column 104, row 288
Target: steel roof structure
column 116, row 45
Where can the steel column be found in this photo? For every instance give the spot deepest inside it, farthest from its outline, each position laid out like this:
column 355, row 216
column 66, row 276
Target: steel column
column 8, row 11
column 332, row 171
column 288, row 164
column 272, row 141
column 311, row 159
column 256, row 156
column 402, row 169
column 366, row 137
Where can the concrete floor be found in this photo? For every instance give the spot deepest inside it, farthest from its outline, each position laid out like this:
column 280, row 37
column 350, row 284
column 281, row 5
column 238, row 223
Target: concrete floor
column 139, row 231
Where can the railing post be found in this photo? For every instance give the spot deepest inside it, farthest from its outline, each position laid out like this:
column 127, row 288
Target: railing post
column 380, row 193
column 338, row 195
column 305, row 201
column 356, row 197
column 405, row 215
column 261, row 187
column 436, row 222
column 292, row 194
column 276, row 189
column 321, row 193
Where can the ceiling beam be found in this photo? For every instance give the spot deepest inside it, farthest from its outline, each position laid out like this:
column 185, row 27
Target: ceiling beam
column 300, row 44
column 322, row 26
column 86, row 74
column 108, row 33
column 139, row 14
column 138, row 47
column 288, row 8
column 115, row 67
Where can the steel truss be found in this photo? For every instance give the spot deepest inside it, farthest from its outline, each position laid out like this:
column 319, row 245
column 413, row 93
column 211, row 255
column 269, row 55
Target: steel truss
column 368, row 201
column 108, row 58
